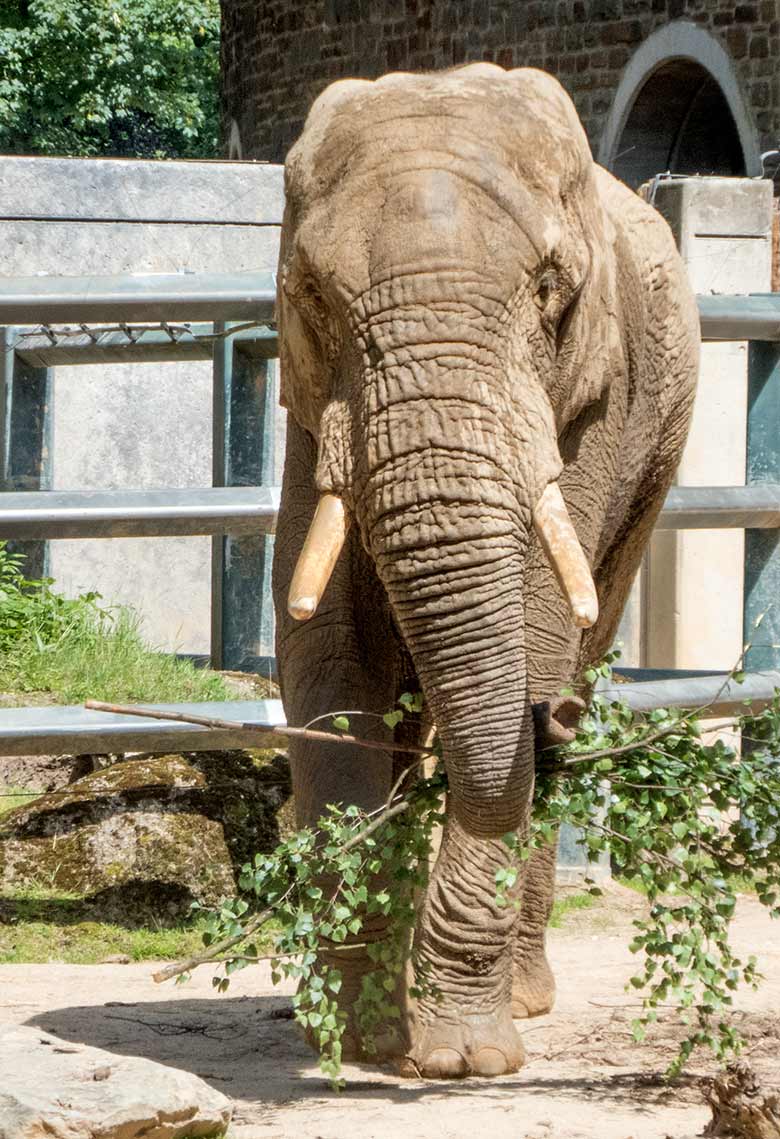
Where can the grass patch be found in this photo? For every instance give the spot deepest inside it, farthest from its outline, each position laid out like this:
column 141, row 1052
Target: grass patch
column 77, row 648
column 106, row 659
column 37, row 928
column 12, row 797
column 567, row 905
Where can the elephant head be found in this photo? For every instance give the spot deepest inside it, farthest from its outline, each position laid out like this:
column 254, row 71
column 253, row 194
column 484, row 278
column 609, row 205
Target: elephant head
column 447, row 309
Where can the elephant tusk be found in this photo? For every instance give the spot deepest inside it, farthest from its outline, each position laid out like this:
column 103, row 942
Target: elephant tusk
column 562, row 546
column 319, row 555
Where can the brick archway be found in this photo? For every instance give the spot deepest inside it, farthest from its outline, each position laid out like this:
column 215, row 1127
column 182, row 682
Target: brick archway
column 679, row 107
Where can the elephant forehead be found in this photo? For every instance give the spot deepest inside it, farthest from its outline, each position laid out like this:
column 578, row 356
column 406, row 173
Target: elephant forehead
column 495, row 120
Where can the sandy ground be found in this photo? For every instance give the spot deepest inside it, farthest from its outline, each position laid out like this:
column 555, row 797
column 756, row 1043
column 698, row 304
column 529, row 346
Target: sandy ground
column 585, row 1078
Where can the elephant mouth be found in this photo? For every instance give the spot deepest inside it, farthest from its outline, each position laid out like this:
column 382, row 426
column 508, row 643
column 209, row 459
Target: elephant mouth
column 552, row 523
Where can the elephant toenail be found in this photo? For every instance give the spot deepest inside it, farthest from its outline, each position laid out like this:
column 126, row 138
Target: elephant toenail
column 444, row 1064
column 490, row 1062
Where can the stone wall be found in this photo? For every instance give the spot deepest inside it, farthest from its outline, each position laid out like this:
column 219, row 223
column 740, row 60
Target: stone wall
column 278, row 54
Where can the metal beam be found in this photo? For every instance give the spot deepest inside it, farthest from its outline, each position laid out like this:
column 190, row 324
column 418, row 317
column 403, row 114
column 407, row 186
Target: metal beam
column 251, row 510
column 74, row 730
column 137, row 345
column 139, row 513
column 754, row 317
column 721, row 507
column 142, row 297
column 234, row 296
column 719, row 694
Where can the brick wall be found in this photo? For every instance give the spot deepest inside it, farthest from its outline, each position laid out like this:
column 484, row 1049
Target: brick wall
column 278, row 54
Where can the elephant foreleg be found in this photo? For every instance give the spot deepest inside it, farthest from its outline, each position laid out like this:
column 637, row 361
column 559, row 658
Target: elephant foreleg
column 463, row 1021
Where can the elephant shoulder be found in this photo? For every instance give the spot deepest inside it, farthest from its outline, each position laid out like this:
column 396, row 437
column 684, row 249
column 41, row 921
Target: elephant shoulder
column 658, row 299
column 632, row 215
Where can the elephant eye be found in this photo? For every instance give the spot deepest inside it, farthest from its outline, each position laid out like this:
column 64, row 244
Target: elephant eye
column 546, row 289
column 305, row 295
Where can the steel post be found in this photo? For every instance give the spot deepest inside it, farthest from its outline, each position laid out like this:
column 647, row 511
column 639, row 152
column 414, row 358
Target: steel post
column 25, row 452
column 243, row 441
column 761, row 607
column 247, row 603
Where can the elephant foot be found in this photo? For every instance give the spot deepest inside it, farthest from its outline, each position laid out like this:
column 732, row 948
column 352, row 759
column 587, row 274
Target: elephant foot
column 533, row 989
column 484, row 1044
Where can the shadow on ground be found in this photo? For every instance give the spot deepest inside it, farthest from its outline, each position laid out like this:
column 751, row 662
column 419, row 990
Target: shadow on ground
column 249, row 1048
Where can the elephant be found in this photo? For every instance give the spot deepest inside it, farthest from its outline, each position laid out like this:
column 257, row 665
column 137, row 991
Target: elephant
column 488, row 353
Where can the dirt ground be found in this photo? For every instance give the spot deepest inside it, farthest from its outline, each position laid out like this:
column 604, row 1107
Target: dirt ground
column 585, row 1078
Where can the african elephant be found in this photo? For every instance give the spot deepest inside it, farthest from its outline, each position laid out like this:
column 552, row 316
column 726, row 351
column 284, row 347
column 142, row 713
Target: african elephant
column 474, row 320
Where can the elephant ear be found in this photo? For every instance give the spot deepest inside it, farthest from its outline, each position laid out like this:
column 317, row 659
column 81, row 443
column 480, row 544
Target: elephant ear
column 590, row 352
column 305, row 380
column 302, row 380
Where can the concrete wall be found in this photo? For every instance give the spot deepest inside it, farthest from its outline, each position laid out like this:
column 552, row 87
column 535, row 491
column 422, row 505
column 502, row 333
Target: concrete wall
column 137, row 425
column 694, row 586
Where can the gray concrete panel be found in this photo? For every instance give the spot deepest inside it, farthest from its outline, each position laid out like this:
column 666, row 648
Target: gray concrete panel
column 117, row 189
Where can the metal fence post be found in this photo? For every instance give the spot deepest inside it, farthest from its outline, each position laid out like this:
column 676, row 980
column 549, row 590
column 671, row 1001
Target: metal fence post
column 25, row 437
column 762, row 547
column 244, row 453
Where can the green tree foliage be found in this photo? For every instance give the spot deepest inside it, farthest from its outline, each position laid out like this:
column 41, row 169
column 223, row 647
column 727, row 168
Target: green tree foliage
column 109, row 77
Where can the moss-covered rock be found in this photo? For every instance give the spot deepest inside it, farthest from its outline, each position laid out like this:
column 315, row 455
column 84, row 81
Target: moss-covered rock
column 172, row 826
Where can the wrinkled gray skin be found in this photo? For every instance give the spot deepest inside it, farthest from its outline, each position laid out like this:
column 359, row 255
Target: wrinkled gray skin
column 469, row 308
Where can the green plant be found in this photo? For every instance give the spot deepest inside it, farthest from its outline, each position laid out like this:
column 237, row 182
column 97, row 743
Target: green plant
column 30, row 610
column 688, row 822
column 78, row 648
column 322, row 887
column 121, row 77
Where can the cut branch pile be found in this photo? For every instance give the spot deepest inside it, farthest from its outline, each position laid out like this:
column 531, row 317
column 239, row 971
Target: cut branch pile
column 740, row 1108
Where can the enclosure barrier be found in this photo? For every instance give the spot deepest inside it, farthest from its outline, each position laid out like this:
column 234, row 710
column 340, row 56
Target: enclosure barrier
column 173, row 302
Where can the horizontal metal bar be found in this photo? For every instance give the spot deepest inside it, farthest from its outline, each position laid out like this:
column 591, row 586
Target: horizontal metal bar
column 753, row 317
column 74, row 730
column 142, row 297
column 252, row 510
column 138, row 513
column 148, row 345
column 719, row 694
column 755, row 507
column 233, row 296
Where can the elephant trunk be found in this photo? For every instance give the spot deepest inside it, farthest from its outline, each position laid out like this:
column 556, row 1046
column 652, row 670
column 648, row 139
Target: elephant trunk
column 459, row 605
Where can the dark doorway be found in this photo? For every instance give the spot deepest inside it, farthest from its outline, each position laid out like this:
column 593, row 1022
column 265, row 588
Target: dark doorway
column 680, row 122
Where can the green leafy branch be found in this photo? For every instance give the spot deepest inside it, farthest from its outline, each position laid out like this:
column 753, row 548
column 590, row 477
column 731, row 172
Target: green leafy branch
column 685, row 819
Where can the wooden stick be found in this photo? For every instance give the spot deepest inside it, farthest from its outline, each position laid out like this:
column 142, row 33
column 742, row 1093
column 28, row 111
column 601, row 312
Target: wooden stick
column 274, row 730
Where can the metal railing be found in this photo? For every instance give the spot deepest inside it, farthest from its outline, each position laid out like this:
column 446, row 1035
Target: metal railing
column 245, row 513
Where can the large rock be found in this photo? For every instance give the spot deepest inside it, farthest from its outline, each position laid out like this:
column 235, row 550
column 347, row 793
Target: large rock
column 154, row 831
column 52, row 1089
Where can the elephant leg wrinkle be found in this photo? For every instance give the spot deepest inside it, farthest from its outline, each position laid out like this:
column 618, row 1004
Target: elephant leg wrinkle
column 465, row 942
